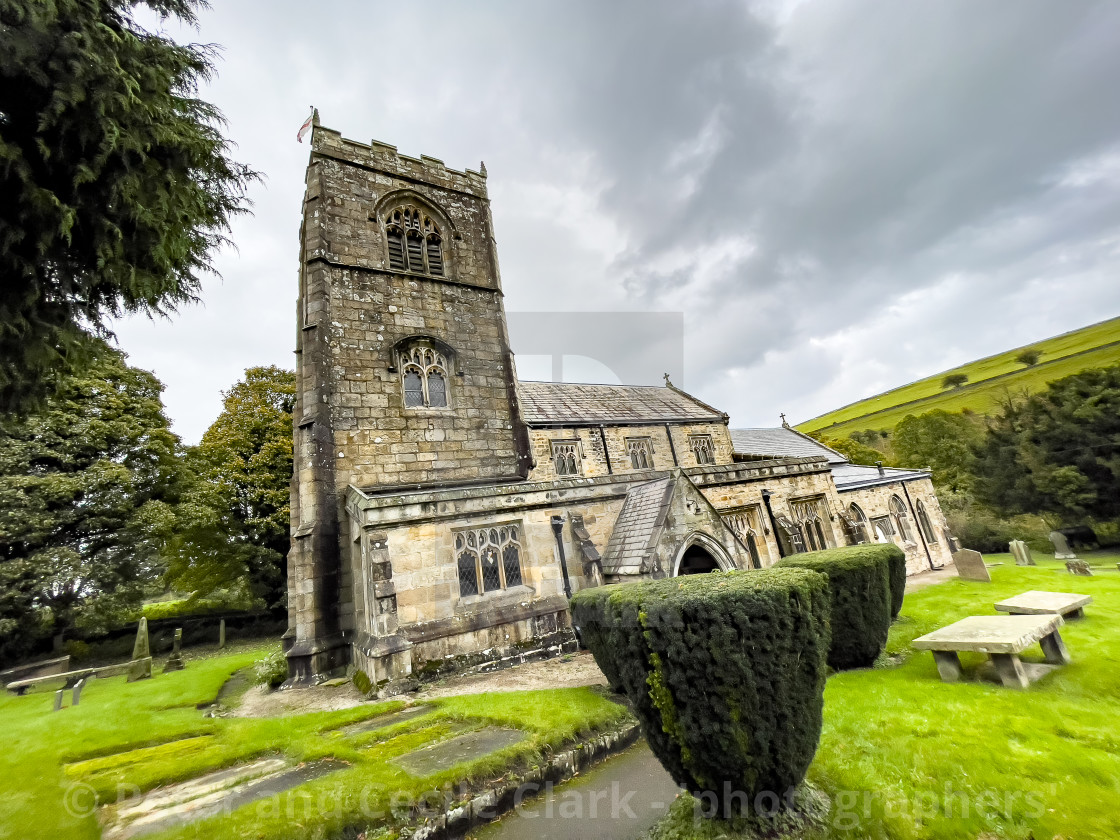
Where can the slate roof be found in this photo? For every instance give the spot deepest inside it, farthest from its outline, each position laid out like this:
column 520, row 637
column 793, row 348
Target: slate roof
column 781, row 442
column 549, row 403
column 856, row 477
column 643, row 513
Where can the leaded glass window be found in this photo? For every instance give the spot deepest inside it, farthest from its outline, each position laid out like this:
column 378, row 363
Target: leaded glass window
column 701, row 446
column 810, row 515
column 925, row 524
column 489, row 559
column 901, row 516
column 424, row 375
column 565, row 456
column 641, row 453
column 747, row 525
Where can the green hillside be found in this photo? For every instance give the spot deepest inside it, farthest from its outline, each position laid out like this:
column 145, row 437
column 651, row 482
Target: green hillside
column 989, row 379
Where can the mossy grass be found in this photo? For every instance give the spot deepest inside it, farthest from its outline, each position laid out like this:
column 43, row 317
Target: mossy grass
column 139, row 736
column 862, row 594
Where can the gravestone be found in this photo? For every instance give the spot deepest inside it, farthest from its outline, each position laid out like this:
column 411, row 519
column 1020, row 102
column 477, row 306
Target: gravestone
column 78, row 686
column 1021, row 553
column 141, row 665
column 58, row 695
column 1062, row 551
column 970, row 565
column 175, row 661
column 1078, row 567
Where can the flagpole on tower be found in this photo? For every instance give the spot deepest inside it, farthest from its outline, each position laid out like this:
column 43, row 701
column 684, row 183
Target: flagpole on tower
column 311, row 121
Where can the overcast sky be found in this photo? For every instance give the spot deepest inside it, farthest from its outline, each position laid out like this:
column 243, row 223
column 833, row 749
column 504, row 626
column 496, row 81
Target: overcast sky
column 841, row 197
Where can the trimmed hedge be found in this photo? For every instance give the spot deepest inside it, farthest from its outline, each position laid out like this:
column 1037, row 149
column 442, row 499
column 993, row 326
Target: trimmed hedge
column 861, row 580
column 725, row 671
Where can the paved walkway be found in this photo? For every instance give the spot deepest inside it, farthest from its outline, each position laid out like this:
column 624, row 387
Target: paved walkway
column 924, row 579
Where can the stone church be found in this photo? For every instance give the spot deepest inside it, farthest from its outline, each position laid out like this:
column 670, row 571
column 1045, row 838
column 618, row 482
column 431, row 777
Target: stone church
column 443, row 511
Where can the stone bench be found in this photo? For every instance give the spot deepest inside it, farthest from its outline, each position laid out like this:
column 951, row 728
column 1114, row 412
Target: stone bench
column 1066, row 604
column 70, row 677
column 1003, row 638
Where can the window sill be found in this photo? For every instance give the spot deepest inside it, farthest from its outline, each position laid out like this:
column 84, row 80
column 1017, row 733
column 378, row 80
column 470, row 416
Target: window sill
column 468, row 604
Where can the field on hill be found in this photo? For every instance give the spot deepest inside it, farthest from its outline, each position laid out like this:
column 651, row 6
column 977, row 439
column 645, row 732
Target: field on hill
column 989, row 379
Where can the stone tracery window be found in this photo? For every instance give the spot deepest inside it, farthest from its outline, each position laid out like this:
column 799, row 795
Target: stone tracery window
column 414, row 241
column 702, row 448
column 810, row 515
column 424, row 370
column 898, row 511
column 747, row 525
column 641, row 453
column 925, row 524
column 859, row 524
column 565, row 456
column 488, row 559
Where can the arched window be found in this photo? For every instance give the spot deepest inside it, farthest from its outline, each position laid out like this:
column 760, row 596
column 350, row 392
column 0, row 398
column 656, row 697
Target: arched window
column 747, row 526
column 641, row 453
column 925, row 524
column 414, row 242
column 423, row 368
column 898, row 511
column 859, row 523
column 488, row 559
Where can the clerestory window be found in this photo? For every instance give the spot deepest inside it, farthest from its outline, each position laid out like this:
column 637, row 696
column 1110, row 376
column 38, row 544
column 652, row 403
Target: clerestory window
column 641, row 453
column 565, row 456
column 414, row 242
column 701, row 446
column 424, row 369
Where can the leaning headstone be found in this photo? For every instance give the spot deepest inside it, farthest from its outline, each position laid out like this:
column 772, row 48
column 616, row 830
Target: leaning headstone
column 1022, row 553
column 970, row 565
column 78, row 691
column 1062, row 551
column 141, row 666
column 175, row 661
column 1078, row 567
column 58, row 695
column 222, row 634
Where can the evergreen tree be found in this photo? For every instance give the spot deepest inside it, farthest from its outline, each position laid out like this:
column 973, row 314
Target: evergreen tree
column 87, row 490
column 1057, row 451
column 116, row 179
column 234, row 522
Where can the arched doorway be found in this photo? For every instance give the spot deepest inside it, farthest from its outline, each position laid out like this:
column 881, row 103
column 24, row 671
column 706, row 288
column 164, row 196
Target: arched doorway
column 697, row 560
column 700, row 554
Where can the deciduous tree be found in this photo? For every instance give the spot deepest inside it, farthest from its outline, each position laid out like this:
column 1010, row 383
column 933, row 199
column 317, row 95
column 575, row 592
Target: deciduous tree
column 87, row 489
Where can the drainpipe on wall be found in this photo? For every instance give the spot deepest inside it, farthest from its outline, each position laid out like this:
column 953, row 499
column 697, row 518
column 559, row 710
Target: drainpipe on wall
column 558, row 530
column 606, row 454
column 773, row 522
column 917, row 524
column 672, row 449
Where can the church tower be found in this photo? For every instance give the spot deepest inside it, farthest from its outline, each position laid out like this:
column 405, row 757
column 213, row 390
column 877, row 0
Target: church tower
column 405, row 379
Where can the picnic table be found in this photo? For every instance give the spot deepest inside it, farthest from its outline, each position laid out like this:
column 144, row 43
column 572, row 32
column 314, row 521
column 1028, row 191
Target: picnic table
column 1003, row 638
column 1036, row 602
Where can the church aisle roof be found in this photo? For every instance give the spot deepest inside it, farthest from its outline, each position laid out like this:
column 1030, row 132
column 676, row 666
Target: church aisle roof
column 781, row 442
column 856, row 477
column 642, row 515
column 544, row 403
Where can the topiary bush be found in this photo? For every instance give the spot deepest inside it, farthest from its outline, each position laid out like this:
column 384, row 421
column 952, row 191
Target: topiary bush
column 725, row 672
column 859, row 579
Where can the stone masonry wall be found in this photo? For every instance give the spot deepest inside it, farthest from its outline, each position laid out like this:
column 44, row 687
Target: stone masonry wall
column 920, row 554
column 592, row 453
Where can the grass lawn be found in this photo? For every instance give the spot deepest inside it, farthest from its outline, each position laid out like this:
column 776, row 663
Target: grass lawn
column 54, row 764
column 1064, row 355
column 903, row 754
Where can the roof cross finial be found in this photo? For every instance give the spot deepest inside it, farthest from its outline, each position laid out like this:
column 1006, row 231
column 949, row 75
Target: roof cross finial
column 668, row 384
column 785, row 425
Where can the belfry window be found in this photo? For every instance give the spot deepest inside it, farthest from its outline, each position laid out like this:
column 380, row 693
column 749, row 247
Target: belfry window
column 414, row 242
column 488, row 559
column 701, row 446
column 424, row 376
